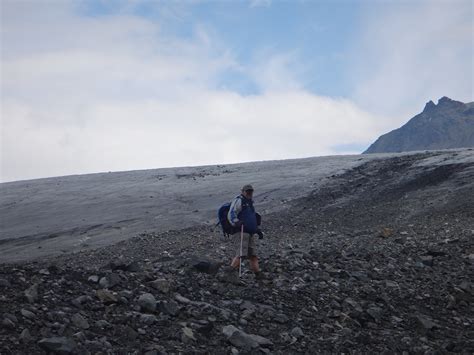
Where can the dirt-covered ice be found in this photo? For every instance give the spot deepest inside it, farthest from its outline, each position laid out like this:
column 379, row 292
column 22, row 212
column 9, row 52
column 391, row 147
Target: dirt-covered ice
column 62, row 214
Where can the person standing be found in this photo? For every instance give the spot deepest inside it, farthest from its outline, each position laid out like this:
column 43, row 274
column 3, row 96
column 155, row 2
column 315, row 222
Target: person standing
column 242, row 215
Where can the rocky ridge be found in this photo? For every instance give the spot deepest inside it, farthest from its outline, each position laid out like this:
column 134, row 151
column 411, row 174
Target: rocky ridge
column 447, row 125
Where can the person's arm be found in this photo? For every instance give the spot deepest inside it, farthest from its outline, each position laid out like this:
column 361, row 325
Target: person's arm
column 234, row 210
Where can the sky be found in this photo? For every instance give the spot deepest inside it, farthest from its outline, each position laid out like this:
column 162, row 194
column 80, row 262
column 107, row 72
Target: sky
column 112, row 85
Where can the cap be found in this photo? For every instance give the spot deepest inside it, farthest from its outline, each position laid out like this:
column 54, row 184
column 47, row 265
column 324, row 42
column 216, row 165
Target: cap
column 247, row 187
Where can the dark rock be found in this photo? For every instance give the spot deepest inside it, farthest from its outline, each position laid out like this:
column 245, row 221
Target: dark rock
column 427, row 260
column 10, row 317
column 27, row 314
column 360, row 275
column 161, row 285
column 79, row 301
column 148, row 319
column 297, row 332
column 391, row 284
column 207, row 267
column 436, row 253
column 31, row 293
column 110, row 280
column 204, row 327
column 375, row 312
column 79, row 321
column 243, row 340
column 147, row 302
column 25, row 336
column 182, row 299
column 352, row 304
column 93, row 278
column 281, row 318
column 465, row 286
column 187, row 335
column 425, row 322
column 130, row 333
column 8, row 323
column 58, row 345
column 287, row 338
column 103, row 324
column 125, row 266
column 169, row 307
column 106, row 296
column 44, row 272
column 126, row 294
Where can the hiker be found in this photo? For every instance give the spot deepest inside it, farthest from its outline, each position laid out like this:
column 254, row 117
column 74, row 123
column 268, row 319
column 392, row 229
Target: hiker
column 242, row 215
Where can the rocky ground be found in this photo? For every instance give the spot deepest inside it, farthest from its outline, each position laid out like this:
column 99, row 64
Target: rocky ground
column 378, row 259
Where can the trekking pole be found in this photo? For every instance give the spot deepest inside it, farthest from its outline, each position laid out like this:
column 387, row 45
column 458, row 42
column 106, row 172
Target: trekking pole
column 241, row 246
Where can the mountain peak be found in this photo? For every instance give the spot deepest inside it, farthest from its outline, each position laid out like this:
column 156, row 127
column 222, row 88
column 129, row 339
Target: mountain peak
column 447, row 102
column 430, row 105
column 442, row 103
column 449, row 124
column 444, row 100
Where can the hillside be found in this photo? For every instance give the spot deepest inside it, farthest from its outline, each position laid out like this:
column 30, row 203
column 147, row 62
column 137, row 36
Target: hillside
column 449, row 124
column 52, row 216
column 375, row 258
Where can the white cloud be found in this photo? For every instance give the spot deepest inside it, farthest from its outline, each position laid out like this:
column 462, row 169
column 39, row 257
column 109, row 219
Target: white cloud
column 412, row 52
column 203, row 127
column 278, row 71
column 87, row 94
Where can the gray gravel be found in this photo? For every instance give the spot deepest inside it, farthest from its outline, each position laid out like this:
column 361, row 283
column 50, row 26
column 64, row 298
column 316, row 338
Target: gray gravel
column 376, row 259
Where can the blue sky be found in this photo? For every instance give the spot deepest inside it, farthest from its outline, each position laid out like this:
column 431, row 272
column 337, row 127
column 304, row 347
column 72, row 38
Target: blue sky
column 91, row 86
column 319, row 34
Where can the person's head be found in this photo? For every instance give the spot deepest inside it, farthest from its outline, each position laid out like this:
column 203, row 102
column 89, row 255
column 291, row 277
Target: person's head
column 247, row 191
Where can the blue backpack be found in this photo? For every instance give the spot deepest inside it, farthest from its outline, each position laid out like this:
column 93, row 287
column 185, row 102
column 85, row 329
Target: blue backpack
column 229, row 229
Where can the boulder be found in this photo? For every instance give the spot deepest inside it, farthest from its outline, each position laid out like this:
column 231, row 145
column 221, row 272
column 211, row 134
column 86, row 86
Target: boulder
column 147, row 302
